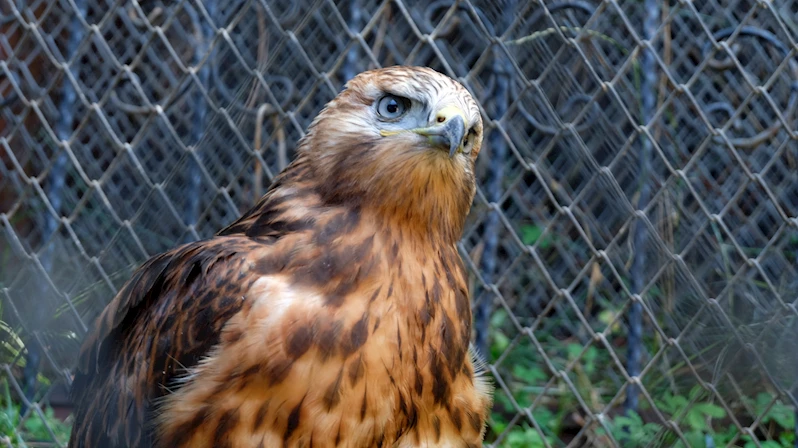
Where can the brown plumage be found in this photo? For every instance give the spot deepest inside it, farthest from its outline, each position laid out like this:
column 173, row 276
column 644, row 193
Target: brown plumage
column 334, row 313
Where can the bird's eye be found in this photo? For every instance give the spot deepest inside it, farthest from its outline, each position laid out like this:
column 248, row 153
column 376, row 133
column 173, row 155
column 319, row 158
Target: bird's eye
column 392, row 107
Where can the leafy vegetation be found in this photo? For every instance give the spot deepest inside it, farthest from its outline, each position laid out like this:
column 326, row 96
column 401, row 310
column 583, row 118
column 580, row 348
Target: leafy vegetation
column 559, row 382
column 558, row 414
column 17, row 429
column 33, row 428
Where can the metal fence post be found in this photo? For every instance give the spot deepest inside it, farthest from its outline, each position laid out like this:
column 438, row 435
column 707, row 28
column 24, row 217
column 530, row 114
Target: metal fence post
column 349, row 69
column 640, row 236
column 192, row 210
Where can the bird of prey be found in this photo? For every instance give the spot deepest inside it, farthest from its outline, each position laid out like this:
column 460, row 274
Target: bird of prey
column 334, row 313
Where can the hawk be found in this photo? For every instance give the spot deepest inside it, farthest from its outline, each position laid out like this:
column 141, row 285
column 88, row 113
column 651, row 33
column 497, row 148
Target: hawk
column 334, row 313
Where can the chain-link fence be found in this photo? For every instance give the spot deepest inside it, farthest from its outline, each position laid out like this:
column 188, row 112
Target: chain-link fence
column 633, row 244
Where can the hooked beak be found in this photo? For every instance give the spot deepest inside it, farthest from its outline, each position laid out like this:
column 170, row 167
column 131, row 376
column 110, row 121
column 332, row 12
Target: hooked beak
column 448, row 129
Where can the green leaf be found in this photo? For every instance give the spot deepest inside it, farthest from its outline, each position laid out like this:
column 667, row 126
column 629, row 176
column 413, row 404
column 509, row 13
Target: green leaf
column 529, row 375
column 670, row 403
column 770, row 444
column 695, row 438
column 498, row 318
column 573, row 350
column 779, row 413
column 500, row 343
column 546, row 419
column 589, row 359
column 696, row 421
column 530, row 234
column 710, row 410
column 523, row 438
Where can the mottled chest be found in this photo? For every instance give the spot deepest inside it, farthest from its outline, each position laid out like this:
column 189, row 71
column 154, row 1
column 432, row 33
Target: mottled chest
column 381, row 363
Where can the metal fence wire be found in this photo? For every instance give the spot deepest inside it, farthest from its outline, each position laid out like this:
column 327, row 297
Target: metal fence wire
column 633, row 246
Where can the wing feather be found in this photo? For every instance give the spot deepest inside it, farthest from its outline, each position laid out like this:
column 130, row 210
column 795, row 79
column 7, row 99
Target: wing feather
column 169, row 316
column 162, row 322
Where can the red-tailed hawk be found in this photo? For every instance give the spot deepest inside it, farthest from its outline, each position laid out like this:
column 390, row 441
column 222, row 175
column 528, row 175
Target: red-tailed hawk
column 334, row 313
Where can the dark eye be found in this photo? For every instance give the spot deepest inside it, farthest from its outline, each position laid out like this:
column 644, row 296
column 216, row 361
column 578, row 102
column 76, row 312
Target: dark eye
column 392, row 106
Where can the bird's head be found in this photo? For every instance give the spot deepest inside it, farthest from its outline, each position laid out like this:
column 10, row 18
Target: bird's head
column 402, row 140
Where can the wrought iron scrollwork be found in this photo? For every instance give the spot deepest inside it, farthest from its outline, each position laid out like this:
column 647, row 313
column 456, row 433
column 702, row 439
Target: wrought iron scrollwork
column 727, row 63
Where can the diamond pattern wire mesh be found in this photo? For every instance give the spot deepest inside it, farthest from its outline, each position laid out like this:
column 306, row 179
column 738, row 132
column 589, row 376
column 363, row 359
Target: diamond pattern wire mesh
column 632, row 245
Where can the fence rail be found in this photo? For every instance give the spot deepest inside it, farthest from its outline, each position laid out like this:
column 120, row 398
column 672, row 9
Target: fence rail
column 633, row 246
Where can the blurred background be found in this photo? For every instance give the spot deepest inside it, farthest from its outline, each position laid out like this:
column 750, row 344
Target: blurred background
column 633, row 246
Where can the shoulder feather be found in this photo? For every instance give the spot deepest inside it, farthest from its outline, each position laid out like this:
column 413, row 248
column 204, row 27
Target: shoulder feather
column 162, row 322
